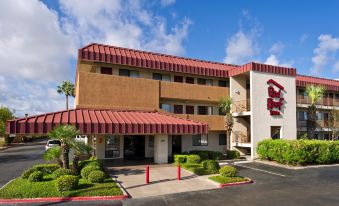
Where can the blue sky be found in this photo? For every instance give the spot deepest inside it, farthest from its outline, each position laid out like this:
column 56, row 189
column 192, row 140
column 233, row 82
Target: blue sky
column 40, row 38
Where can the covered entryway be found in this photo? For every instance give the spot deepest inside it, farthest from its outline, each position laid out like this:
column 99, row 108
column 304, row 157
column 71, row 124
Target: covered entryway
column 134, row 147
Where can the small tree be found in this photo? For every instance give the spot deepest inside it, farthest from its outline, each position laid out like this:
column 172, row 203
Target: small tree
column 225, row 104
column 66, row 134
column 5, row 114
column 66, row 88
column 53, row 153
column 79, row 149
column 333, row 122
column 315, row 93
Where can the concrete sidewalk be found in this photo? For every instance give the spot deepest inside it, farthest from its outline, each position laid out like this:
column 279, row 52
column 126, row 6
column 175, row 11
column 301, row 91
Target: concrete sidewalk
column 163, row 180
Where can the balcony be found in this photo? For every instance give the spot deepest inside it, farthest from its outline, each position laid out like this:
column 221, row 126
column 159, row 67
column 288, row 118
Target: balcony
column 323, row 102
column 241, row 138
column 215, row 122
column 241, row 106
column 183, row 91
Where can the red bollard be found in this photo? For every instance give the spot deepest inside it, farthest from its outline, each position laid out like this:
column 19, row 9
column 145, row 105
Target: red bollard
column 147, row 174
column 179, row 172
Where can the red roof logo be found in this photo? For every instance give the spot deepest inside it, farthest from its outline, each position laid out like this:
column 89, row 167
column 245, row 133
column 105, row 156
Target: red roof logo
column 271, row 81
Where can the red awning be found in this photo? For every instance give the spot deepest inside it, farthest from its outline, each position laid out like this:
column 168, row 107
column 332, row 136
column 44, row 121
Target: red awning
column 93, row 121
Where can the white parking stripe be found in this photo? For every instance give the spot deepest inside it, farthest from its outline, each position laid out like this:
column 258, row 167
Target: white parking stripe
column 273, row 173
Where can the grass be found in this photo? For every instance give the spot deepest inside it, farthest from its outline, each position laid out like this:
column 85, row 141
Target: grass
column 22, row 188
column 197, row 169
column 224, row 180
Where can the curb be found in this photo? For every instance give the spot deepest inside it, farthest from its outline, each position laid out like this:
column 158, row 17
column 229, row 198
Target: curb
column 236, row 183
column 63, row 199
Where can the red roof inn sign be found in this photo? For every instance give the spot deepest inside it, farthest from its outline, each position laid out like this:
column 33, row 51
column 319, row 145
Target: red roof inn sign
column 274, row 101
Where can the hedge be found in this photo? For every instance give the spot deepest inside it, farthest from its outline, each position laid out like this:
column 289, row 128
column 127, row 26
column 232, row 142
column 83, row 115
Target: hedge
column 206, row 154
column 60, row 172
column 180, row 158
column 67, row 183
column 211, row 166
column 193, row 159
column 88, row 169
column 96, row 176
column 228, row 171
column 233, row 154
column 36, row 176
column 299, row 152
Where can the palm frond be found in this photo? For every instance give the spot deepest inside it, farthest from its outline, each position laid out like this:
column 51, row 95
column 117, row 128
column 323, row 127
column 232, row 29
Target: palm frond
column 225, row 104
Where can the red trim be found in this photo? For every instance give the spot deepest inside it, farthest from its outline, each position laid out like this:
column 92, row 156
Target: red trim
column 95, row 121
column 271, row 81
column 63, row 199
column 328, row 84
column 235, row 183
column 252, row 66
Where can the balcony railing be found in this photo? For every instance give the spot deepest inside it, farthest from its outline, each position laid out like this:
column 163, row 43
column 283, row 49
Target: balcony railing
column 319, row 124
column 323, row 102
column 241, row 137
column 241, row 106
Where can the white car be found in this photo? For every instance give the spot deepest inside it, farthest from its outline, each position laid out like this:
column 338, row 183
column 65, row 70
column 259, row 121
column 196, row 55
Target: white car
column 52, row 143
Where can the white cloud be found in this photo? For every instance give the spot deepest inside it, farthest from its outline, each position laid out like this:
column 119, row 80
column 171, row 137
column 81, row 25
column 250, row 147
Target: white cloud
column 273, row 60
column 277, row 48
column 167, row 2
column 324, row 53
column 240, row 48
column 39, row 44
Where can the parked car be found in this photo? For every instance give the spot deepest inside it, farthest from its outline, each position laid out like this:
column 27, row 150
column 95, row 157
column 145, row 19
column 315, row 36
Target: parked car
column 52, row 143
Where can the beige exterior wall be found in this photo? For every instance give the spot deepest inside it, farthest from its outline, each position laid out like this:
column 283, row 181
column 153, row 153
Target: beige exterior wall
column 260, row 116
column 100, row 147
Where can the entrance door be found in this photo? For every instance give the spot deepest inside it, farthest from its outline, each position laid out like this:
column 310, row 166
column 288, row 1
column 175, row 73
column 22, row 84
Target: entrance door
column 176, row 144
column 134, row 147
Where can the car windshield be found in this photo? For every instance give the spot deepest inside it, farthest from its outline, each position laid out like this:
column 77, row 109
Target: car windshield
column 54, row 142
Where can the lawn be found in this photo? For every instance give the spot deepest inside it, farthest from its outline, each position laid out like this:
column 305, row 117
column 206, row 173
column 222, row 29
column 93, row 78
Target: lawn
column 225, row 180
column 197, row 169
column 22, row 188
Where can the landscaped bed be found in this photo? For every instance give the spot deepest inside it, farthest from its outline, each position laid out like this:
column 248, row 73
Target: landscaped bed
column 48, row 180
column 228, row 176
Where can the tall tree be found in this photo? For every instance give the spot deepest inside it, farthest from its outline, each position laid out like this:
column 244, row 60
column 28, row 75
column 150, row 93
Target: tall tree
column 66, row 88
column 333, row 122
column 79, row 148
column 225, row 104
column 5, row 114
column 315, row 93
column 66, row 134
column 53, row 153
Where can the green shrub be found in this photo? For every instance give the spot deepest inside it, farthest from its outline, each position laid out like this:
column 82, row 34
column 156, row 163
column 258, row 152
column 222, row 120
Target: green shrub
column 228, row 171
column 27, row 173
column 180, row 158
column 212, row 166
column 2, row 143
column 299, row 152
column 199, row 171
column 66, row 183
column 202, row 154
column 193, row 159
column 92, row 160
column 36, row 176
column 46, row 168
column 215, row 155
column 233, row 154
column 204, row 163
column 87, row 170
column 60, row 172
column 96, row 176
column 206, row 154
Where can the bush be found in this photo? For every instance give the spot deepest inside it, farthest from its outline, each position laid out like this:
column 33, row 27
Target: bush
column 96, row 176
column 46, row 168
column 91, row 161
column 228, row 171
column 299, row 152
column 202, row 154
column 200, row 171
column 193, row 159
column 180, row 158
column 2, row 143
column 215, row 155
column 27, row 173
column 87, row 170
column 205, row 154
column 233, row 154
column 212, row 166
column 66, row 183
column 60, row 172
column 36, row 176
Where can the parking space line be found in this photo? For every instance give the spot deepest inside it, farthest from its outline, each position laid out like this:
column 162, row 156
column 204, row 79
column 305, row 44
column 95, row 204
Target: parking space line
column 273, row 173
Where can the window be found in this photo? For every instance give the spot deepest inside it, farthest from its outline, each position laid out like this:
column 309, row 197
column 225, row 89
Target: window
column 223, row 83
column 161, row 77
column 112, row 146
column 302, row 115
column 189, row 109
column 202, row 81
column 275, row 132
column 320, row 115
column 165, row 107
column 128, row 73
column 199, row 140
column 222, row 139
column 205, row 110
column 337, row 97
column 178, row 109
column 189, row 80
column 178, row 79
column 302, row 93
column 106, row 70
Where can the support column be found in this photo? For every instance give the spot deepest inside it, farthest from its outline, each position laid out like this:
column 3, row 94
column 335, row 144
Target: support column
column 161, row 149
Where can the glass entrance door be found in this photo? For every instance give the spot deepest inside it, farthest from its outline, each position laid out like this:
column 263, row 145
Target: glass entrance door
column 134, row 147
column 176, row 144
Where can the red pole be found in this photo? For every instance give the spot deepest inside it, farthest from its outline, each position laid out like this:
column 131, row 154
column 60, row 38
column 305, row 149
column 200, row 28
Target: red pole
column 179, row 172
column 147, row 174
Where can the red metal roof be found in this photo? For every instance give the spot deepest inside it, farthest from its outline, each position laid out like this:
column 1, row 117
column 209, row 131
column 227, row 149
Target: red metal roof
column 131, row 57
column 93, row 121
column 329, row 84
column 252, row 66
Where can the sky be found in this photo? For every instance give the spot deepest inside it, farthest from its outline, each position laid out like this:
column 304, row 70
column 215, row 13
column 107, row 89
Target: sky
column 39, row 40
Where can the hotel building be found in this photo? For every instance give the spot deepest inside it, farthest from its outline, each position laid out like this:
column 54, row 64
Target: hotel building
column 138, row 104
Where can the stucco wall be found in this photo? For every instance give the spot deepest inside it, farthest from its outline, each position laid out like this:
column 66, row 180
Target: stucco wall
column 260, row 116
column 213, row 143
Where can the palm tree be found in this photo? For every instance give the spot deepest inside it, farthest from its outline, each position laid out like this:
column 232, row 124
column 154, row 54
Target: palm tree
column 66, row 88
column 79, row 149
column 315, row 93
column 66, row 134
column 225, row 107
column 53, row 153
